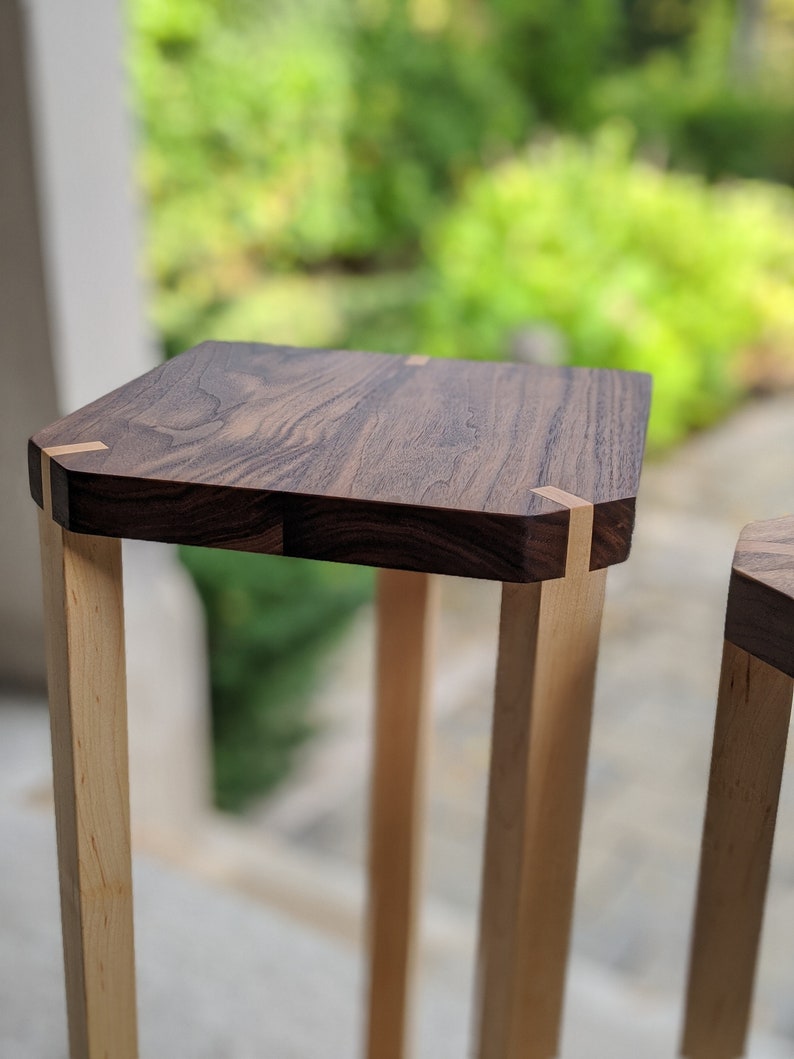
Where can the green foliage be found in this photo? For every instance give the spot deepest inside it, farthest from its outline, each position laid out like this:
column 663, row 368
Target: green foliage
column 269, row 619
column 655, row 25
column 555, row 53
column 307, row 134
column 244, row 122
column 325, row 135
column 703, row 124
column 432, row 103
column 721, row 103
column 635, row 267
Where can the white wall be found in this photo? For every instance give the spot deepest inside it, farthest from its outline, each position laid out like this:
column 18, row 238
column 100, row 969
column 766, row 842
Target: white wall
column 84, row 147
column 71, row 329
column 27, row 387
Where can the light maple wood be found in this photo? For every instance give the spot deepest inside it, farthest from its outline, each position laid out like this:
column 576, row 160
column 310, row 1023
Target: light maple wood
column 88, row 713
column 548, row 645
column 407, row 618
column 753, row 712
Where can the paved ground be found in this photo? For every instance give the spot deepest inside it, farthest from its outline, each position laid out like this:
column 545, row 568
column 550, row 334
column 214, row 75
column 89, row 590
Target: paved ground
column 652, row 730
column 222, row 975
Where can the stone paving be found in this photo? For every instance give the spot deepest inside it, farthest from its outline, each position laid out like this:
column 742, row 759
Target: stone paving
column 652, row 727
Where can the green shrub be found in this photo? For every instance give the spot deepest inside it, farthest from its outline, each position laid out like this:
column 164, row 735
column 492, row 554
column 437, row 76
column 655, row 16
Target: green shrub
column 703, row 125
column 635, row 267
column 432, row 103
column 269, row 620
column 733, row 134
column 554, row 54
column 244, row 119
column 303, row 134
column 370, row 311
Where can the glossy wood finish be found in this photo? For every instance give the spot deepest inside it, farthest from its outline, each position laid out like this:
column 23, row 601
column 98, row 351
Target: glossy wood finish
column 88, row 711
column 548, row 646
column 408, row 605
column 760, row 615
column 390, row 461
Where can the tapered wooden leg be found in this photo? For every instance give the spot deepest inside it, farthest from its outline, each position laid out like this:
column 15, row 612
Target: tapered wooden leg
column 753, row 711
column 88, row 712
column 407, row 613
column 548, row 645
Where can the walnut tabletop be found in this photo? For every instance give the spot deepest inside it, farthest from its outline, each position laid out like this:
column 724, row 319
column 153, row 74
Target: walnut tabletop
column 760, row 614
column 404, row 462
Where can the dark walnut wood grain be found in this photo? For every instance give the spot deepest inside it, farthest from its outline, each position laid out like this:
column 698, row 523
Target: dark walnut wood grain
column 760, row 615
column 403, row 462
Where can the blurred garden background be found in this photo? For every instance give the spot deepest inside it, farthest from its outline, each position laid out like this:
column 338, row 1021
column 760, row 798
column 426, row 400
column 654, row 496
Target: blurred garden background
column 606, row 183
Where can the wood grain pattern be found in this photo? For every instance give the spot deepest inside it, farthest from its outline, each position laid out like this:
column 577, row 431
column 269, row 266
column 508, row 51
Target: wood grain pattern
column 87, row 693
column 506, row 827
column 753, row 713
column 548, row 644
column 760, row 614
column 358, row 457
column 408, row 605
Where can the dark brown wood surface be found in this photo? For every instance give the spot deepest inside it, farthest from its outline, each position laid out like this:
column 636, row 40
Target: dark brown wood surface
column 391, row 461
column 760, row 615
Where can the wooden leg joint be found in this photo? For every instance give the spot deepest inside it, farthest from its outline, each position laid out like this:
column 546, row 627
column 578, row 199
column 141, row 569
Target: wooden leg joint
column 88, row 715
column 60, row 450
column 548, row 645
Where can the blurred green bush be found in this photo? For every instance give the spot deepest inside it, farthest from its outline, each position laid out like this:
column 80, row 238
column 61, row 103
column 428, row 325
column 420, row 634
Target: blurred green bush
column 243, row 157
column 707, row 126
column 269, row 621
column 555, row 55
column 318, row 139
column 633, row 267
column 312, row 135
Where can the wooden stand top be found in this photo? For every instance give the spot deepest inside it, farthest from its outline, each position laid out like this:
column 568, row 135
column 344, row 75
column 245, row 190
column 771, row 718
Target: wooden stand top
column 405, row 462
column 760, row 615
